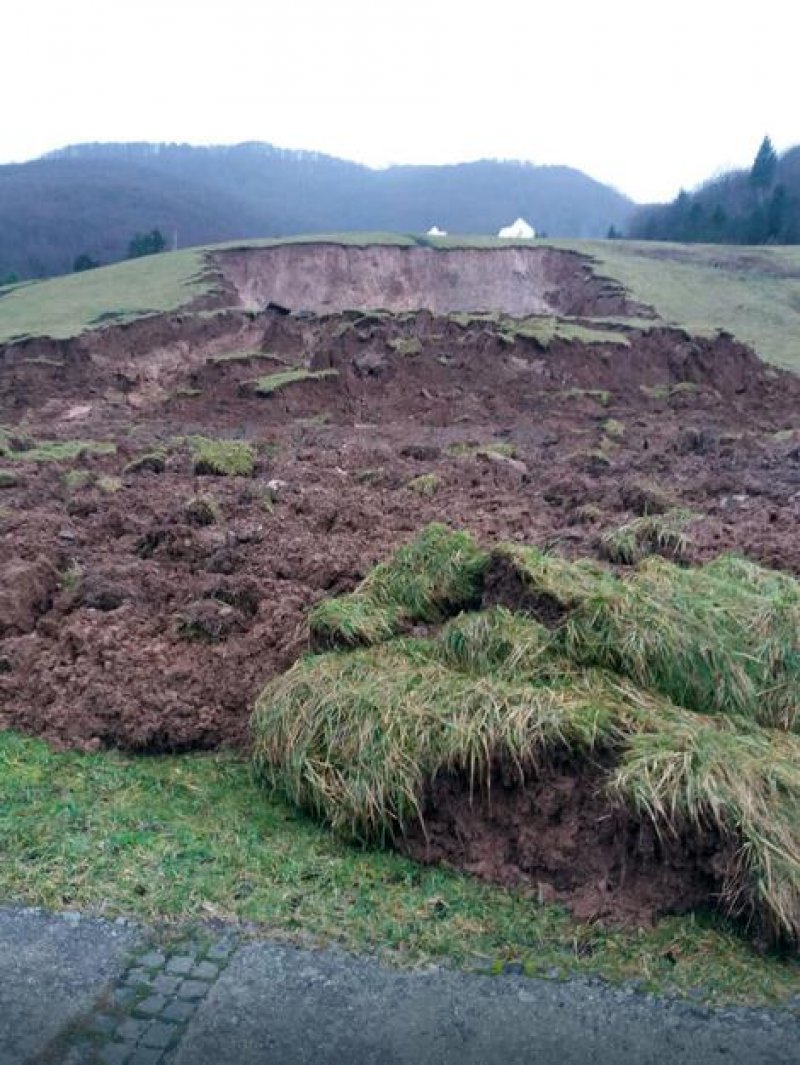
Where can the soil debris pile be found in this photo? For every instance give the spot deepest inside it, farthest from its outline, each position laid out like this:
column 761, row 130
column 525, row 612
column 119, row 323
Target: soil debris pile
column 647, row 714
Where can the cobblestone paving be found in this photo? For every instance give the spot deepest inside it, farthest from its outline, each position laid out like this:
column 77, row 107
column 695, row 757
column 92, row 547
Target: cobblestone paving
column 142, row 1020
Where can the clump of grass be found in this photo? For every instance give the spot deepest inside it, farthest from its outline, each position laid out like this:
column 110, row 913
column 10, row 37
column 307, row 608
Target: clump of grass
column 587, row 514
column 500, row 447
column 8, row 479
column 407, row 346
column 657, row 392
column 495, row 447
column 267, row 386
column 222, row 458
column 75, row 479
column 592, row 459
column 541, row 330
column 686, row 682
column 645, row 497
column 711, row 639
column 427, row 484
column 655, row 534
column 154, row 461
column 501, row 642
column 783, row 435
column 61, row 450
column 108, row 484
column 664, row 392
column 371, row 475
column 465, row 319
column 536, row 582
column 355, row 737
column 599, row 395
column 437, row 573
column 544, row 329
column 743, row 785
column 583, row 334
column 721, row 638
column 202, row 510
column 43, row 360
column 613, row 428
column 71, row 577
column 244, row 356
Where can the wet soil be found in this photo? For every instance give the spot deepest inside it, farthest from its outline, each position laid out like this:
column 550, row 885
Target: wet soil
column 130, row 618
column 560, row 839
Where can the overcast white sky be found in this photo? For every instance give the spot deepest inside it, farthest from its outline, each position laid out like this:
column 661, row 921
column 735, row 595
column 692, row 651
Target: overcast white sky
column 647, row 96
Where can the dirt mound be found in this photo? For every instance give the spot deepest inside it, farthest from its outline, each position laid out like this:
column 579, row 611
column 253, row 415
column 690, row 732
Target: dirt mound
column 560, row 839
column 335, row 277
column 26, row 592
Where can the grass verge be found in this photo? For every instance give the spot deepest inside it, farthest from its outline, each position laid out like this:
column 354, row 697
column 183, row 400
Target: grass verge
column 193, row 837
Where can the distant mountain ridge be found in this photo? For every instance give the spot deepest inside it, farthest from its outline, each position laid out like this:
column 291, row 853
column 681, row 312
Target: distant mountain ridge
column 91, row 199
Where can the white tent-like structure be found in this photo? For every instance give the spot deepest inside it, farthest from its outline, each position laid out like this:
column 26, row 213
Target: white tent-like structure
column 434, row 231
column 519, row 230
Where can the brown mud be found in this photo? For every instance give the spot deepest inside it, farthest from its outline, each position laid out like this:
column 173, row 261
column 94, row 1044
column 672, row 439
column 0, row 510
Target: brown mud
column 132, row 617
column 561, row 839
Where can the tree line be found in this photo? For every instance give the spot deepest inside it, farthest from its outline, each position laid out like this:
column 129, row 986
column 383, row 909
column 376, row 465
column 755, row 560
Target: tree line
column 756, row 206
column 140, row 244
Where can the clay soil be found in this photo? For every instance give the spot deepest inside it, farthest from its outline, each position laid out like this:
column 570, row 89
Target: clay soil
column 132, row 618
column 560, row 840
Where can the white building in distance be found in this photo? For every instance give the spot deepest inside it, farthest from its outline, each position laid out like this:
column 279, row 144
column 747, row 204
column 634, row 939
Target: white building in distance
column 519, row 230
column 434, row 231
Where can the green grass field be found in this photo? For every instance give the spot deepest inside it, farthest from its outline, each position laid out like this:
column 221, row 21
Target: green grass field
column 67, row 306
column 751, row 292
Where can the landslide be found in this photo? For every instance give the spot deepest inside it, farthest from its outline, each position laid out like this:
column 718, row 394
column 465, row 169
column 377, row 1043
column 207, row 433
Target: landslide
column 149, row 600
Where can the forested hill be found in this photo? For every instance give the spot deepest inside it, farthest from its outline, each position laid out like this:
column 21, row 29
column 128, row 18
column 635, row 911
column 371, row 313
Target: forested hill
column 90, row 200
column 756, row 206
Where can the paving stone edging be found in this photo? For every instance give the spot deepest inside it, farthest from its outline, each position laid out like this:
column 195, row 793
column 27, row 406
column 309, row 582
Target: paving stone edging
column 142, row 1019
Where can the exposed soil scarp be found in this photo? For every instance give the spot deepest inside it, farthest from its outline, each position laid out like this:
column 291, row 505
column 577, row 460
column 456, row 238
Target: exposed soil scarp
column 333, row 277
column 558, row 838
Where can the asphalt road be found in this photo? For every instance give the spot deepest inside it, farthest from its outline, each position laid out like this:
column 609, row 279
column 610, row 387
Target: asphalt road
column 75, row 991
